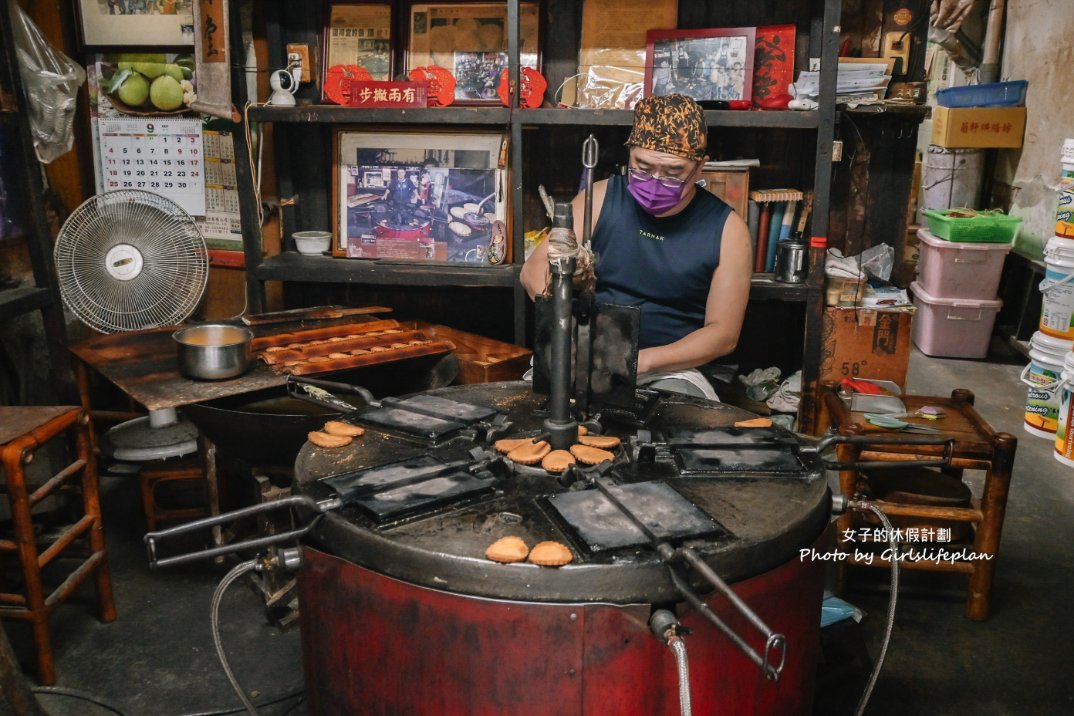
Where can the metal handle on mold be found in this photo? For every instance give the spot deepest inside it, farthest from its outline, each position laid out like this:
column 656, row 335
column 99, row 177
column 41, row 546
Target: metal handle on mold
column 901, row 440
column 153, row 538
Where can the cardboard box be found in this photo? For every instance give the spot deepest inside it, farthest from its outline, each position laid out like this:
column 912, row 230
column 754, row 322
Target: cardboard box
column 866, row 343
column 974, row 127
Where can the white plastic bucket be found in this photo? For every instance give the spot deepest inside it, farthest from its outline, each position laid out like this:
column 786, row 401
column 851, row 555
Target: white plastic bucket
column 1057, row 289
column 1042, row 377
column 1064, row 212
column 952, row 177
column 1064, row 433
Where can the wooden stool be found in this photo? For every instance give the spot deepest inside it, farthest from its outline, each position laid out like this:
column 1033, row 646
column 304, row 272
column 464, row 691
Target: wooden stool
column 22, row 431
column 977, row 447
column 154, row 474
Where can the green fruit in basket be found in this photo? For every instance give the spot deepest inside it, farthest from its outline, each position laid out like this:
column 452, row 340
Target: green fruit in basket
column 151, row 70
column 174, row 71
column 166, row 94
column 134, row 91
column 128, row 60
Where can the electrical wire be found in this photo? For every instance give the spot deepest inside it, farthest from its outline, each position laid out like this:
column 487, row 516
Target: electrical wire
column 218, row 595
column 76, row 694
column 300, row 693
column 892, row 600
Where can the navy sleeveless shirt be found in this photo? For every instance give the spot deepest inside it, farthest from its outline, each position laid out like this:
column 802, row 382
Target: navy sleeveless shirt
column 661, row 265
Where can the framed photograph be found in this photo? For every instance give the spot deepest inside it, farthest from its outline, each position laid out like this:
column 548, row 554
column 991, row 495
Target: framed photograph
column 708, row 65
column 470, row 40
column 359, row 33
column 425, row 196
column 136, row 23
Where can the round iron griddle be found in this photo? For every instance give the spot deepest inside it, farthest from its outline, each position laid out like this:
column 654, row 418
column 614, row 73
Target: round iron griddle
column 767, row 518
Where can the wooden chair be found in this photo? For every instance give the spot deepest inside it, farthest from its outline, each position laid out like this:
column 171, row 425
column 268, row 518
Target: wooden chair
column 977, row 447
column 22, row 431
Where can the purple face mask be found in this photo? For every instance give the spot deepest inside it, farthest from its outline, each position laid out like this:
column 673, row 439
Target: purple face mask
column 653, row 197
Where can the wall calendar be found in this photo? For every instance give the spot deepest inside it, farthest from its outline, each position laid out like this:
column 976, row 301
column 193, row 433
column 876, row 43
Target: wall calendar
column 158, row 154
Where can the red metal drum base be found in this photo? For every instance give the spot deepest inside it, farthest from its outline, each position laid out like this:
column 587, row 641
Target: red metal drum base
column 376, row 645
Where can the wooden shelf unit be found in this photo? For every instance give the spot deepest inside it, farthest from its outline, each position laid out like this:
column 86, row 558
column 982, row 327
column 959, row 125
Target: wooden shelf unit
column 818, row 26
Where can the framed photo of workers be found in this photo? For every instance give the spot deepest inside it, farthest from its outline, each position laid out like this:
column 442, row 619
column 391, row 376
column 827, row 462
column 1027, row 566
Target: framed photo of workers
column 709, row 65
column 136, row 23
column 470, row 40
column 359, row 33
column 423, row 196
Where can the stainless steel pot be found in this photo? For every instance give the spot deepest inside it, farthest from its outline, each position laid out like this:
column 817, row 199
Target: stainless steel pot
column 213, row 351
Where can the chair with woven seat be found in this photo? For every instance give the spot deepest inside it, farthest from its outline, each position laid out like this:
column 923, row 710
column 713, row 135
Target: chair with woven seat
column 976, row 447
column 23, row 431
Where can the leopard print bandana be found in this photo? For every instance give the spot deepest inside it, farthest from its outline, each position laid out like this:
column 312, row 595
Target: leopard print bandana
column 674, row 124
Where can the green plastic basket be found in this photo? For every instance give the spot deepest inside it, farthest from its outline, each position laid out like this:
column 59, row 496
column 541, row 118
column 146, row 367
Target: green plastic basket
column 984, row 228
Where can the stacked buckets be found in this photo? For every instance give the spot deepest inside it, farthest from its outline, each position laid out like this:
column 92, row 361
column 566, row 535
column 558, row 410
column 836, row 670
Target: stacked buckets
column 1050, row 373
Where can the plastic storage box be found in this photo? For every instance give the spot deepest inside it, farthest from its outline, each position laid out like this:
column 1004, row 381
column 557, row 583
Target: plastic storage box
column 991, row 94
column 990, row 227
column 953, row 327
column 951, row 269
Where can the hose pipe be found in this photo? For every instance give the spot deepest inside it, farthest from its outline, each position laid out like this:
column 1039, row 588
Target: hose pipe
column 666, row 627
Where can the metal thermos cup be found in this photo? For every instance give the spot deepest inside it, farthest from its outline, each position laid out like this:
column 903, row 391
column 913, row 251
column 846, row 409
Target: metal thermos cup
column 792, row 262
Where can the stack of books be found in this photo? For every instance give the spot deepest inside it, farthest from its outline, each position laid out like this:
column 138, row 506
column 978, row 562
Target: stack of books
column 771, row 218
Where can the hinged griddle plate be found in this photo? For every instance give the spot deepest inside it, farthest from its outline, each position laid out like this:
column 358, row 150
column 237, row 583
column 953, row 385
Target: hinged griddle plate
column 601, row 525
column 407, row 487
column 719, row 451
column 426, row 416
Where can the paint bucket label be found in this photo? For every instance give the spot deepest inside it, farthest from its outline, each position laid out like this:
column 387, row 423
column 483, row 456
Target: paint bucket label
column 1042, row 400
column 1064, row 431
column 1064, row 213
column 1064, row 436
column 1057, row 290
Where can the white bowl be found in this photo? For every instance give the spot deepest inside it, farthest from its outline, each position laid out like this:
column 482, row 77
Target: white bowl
column 312, row 243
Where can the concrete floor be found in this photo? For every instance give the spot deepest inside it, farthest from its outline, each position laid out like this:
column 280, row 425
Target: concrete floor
column 158, row 657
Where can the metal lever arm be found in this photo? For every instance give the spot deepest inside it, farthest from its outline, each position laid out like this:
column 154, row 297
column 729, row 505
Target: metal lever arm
column 948, row 445
column 775, row 644
column 153, row 538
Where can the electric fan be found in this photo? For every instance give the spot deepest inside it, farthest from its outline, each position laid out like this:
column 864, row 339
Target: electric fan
column 130, row 260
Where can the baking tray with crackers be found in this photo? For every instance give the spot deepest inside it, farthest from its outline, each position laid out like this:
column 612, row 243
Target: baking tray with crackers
column 345, row 347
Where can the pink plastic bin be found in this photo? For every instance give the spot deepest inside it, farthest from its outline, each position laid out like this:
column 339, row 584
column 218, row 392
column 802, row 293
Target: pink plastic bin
column 952, row 327
column 951, row 269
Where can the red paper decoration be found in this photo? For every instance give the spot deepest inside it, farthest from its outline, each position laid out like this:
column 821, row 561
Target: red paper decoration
column 533, row 88
column 441, row 84
column 337, row 81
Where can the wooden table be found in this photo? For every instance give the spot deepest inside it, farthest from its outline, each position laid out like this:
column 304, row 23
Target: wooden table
column 145, row 366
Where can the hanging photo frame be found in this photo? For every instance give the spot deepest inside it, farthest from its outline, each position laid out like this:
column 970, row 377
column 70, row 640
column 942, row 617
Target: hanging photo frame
column 357, row 34
column 469, row 39
column 425, row 196
column 709, row 65
column 136, row 23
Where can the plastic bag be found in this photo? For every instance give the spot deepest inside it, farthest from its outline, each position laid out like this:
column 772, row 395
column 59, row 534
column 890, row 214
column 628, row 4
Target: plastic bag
column 876, row 261
column 614, row 80
column 51, row 79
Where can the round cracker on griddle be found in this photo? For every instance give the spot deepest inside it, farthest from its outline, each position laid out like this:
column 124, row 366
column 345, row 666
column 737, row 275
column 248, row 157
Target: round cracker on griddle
column 557, row 461
column 529, row 454
column 590, row 455
column 327, row 440
column 508, row 444
column 604, row 442
column 338, row 427
column 507, row 550
column 550, row 554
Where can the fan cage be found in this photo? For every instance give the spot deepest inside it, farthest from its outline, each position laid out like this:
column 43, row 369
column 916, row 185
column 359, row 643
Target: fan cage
column 163, row 290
